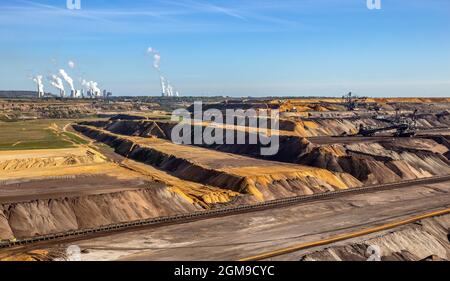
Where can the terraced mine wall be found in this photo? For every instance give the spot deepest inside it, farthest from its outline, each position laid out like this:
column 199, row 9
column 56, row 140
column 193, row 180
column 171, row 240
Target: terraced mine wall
column 382, row 162
column 39, row 217
column 443, row 140
column 426, row 240
column 430, row 121
column 290, row 148
column 181, row 168
column 264, row 179
column 334, row 125
column 331, row 104
column 371, row 162
column 306, row 127
column 339, row 126
column 316, row 127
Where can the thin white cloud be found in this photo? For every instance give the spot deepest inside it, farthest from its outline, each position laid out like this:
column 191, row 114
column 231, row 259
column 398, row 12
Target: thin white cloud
column 54, row 10
column 184, row 13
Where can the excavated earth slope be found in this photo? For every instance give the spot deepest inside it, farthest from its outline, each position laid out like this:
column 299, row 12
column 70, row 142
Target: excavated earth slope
column 20, row 159
column 372, row 162
column 48, row 191
column 39, row 217
column 264, row 179
column 425, row 240
column 316, row 127
column 382, row 162
column 290, row 147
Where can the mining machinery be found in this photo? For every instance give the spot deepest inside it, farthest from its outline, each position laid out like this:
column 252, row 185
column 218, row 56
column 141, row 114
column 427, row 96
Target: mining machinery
column 404, row 127
column 351, row 102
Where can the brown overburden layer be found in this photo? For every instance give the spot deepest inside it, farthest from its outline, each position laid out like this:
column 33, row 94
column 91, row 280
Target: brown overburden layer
column 263, row 179
column 39, row 217
column 57, row 190
column 55, row 178
column 371, row 160
column 430, row 238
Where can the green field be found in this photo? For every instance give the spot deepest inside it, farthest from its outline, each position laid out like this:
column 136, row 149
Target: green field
column 36, row 134
column 74, row 138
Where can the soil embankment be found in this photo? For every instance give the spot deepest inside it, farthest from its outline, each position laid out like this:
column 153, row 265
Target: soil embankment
column 426, row 240
column 57, row 190
column 382, row 162
column 372, row 162
column 40, row 217
column 263, row 179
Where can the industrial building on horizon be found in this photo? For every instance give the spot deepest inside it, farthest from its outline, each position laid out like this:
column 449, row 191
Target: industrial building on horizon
column 75, row 94
column 167, row 89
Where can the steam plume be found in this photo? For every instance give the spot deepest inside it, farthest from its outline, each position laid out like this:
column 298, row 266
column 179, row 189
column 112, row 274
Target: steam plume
column 38, row 80
column 92, row 87
column 156, row 57
column 166, row 88
column 67, row 78
column 57, row 82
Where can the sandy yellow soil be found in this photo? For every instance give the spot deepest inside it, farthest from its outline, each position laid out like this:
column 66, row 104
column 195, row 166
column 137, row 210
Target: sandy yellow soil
column 263, row 179
column 50, row 162
column 35, row 255
column 200, row 194
column 49, row 191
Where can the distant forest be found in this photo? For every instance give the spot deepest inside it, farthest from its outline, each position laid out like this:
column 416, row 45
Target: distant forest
column 19, row 94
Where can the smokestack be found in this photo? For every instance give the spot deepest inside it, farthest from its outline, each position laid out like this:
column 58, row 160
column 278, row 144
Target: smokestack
column 67, row 78
column 57, row 82
column 156, row 65
column 166, row 89
column 92, row 88
column 39, row 91
column 169, row 90
column 163, row 86
column 40, row 85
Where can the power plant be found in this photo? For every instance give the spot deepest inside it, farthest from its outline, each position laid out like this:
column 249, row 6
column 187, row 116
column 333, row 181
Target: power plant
column 40, row 92
column 91, row 91
column 90, row 88
column 40, row 86
column 167, row 89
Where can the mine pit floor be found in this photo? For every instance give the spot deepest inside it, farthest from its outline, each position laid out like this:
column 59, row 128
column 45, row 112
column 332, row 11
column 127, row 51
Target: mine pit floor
column 243, row 235
column 68, row 186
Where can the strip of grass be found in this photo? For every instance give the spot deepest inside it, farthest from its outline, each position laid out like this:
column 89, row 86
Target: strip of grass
column 76, row 139
column 33, row 134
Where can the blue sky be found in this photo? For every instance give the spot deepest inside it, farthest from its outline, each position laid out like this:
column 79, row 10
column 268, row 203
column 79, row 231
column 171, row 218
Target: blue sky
column 235, row 47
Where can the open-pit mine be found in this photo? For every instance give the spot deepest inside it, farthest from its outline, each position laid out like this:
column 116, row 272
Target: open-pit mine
column 350, row 179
